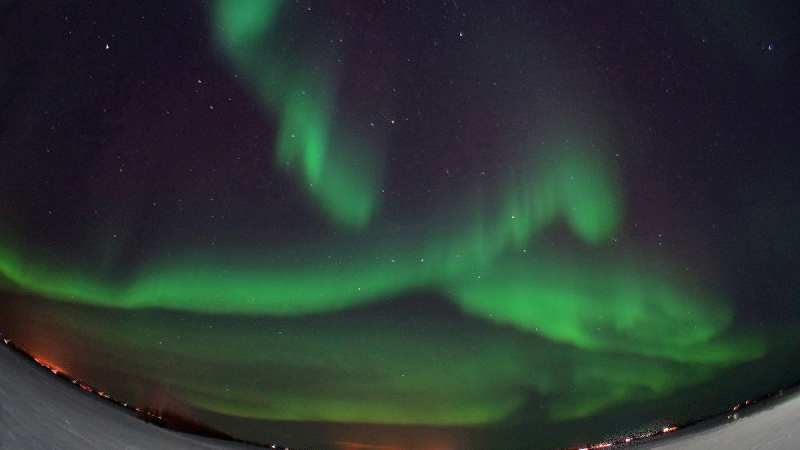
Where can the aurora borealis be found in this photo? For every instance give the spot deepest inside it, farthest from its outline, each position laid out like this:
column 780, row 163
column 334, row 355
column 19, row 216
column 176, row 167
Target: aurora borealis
column 338, row 169
column 429, row 226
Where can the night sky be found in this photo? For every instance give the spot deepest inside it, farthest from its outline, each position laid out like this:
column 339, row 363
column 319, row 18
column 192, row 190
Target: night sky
column 405, row 224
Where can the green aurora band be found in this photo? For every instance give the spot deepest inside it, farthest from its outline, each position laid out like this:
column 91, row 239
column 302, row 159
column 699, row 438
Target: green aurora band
column 616, row 309
column 600, row 303
column 584, row 191
column 385, row 369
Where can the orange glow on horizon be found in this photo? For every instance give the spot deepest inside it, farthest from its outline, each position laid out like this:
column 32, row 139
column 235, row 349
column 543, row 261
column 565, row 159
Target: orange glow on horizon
column 53, row 367
column 348, row 445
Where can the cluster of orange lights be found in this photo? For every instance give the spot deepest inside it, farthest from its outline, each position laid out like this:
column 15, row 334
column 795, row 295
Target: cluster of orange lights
column 56, row 370
column 625, row 441
column 620, row 442
column 747, row 403
column 50, row 366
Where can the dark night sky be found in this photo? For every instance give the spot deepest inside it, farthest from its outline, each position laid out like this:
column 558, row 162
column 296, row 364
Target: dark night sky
column 519, row 210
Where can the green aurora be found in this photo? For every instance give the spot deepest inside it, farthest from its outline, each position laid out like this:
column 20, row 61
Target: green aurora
column 339, row 172
column 603, row 304
column 584, row 193
column 635, row 328
column 375, row 368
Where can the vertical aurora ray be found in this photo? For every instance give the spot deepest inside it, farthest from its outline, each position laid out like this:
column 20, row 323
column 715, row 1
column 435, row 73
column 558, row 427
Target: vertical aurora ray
column 338, row 172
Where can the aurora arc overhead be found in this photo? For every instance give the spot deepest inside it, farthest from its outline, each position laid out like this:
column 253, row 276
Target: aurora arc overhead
column 593, row 302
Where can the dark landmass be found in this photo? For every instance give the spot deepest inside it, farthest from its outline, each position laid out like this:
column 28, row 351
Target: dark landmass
column 176, row 422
